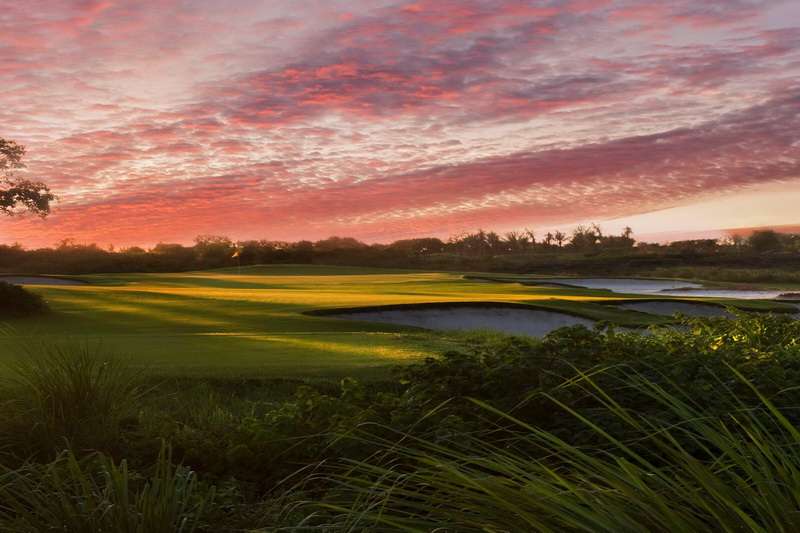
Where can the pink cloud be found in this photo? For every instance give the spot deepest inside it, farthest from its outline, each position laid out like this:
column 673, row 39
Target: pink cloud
column 389, row 119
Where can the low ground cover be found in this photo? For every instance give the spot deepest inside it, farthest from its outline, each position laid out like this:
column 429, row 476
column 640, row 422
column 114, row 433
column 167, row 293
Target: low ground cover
column 564, row 429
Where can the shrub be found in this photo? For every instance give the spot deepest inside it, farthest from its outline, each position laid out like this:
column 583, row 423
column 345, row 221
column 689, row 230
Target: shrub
column 96, row 494
column 262, row 443
column 506, row 370
column 17, row 302
column 739, row 471
column 66, row 396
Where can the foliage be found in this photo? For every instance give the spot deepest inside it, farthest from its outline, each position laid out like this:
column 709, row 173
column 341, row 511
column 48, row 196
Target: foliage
column 16, row 301
column 213, row 250
column 66, row 396
column 504, row 370
column 765, row 241
column 19, row 195
column 262, row 442
column 594, row 430
column 95, row 494
column 738, row 471
column 587, row 250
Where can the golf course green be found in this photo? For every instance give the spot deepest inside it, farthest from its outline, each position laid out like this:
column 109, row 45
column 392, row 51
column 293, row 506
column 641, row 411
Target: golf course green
column 255, row 321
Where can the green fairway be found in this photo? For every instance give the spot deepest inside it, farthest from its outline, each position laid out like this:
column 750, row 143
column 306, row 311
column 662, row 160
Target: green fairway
column 252, row 322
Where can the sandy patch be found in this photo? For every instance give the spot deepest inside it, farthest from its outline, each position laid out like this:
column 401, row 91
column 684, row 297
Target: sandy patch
column 741, row 294
column 625, row 285
column 40, row 280
column 534, row 322
column 663, row 287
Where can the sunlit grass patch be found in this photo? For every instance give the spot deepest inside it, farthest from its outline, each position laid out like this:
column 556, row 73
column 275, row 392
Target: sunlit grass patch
column 216, row 319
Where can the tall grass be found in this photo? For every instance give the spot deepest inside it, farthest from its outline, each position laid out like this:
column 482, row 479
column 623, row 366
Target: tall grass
column 678, row 470
column 67, row 396
column 95, row 494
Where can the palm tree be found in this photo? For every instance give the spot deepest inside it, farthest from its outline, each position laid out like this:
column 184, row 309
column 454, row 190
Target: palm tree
column 530, row 235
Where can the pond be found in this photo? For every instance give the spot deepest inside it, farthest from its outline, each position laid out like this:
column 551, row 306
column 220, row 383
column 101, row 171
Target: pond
column 513, row 320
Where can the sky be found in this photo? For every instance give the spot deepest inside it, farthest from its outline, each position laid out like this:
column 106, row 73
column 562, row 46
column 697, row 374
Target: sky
column 159, row 120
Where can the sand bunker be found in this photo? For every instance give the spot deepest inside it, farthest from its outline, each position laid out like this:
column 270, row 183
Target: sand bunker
column 663, row 287
column 741, row 294
column 40, row 280
column 670, row 308
column 625, row 285
column 506, row 319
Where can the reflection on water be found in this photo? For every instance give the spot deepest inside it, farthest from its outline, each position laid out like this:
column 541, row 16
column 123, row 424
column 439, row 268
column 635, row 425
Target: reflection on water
column 517, row 321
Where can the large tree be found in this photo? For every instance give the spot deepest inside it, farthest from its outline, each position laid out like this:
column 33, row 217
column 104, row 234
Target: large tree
column 19, row 196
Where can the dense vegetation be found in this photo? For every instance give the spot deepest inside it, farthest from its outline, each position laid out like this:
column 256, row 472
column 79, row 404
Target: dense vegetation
column 583, row 430
column 586, row 250
column 17, row 302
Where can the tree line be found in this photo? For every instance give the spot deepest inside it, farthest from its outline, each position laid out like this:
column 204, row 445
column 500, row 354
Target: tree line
column 480, row 250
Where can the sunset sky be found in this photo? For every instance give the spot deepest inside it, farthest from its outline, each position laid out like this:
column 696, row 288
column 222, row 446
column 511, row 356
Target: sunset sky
column 155, row 121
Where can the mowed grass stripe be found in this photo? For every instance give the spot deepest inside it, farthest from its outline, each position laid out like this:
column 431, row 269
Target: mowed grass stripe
column 254, row 321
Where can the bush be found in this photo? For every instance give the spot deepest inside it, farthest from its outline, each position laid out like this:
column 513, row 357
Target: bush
column 66, row 396
column 505, row 371
column 261, row 440
column 688, row 471
column 96, row 494
column 17, row 302
column 261, row 443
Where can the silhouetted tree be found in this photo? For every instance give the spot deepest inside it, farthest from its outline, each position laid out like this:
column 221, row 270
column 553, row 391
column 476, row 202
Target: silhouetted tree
column 560, row 238
column 414, row 247
column 615, row 242
column 18, row 196
column 695, row 246
column 494, row 243
column 213, row 250
column 175, row 257
column 586, row 237
column 531, row 236
column 765, row 241
column 516, row 241
column 338, row 243
column 475, row 244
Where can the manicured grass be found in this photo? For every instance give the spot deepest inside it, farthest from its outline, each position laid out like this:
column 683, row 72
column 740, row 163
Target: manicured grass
column 251, row 321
